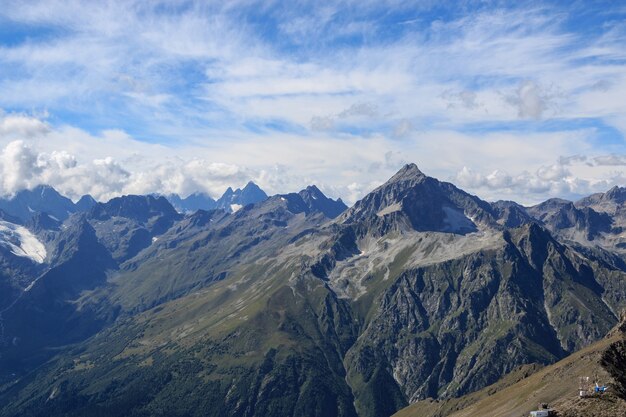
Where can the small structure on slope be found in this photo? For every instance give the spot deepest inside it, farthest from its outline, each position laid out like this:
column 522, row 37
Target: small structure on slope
column 588, row 389
column 544, row 411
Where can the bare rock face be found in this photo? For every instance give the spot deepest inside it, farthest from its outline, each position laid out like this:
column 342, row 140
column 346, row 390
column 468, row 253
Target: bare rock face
column 411, row 200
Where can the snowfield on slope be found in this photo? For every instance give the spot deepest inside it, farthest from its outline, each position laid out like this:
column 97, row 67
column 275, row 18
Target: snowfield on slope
column 21, row 242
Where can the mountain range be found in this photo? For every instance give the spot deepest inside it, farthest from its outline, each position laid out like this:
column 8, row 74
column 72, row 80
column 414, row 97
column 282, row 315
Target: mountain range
column 294, row 304
column 230, row 201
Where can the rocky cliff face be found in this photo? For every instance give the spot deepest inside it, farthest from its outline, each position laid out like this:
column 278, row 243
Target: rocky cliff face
column 454, row 327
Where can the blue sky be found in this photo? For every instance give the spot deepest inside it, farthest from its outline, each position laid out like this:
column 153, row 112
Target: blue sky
column 509, row 100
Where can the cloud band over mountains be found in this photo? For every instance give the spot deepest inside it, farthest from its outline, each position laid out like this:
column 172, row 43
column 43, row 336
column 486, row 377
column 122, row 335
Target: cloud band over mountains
column 114, row 164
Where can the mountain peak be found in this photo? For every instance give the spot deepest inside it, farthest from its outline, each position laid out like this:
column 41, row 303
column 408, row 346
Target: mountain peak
column 611, row 201
column 312, row 190
column 250, row 194
column 42, row 198
column 315, row 199
column 617, row 194
column 85, row 203
column 412, row 199
column 409, row 171
column 251, row 185
column 41, row 190
column 195, row 201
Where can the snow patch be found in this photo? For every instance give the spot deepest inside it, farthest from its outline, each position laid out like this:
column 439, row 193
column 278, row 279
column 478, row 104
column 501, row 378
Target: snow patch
column 31, row 285
column 390, row 209
column 53, row 394
column 456, row 221
column 235, row 207
column 21, row 242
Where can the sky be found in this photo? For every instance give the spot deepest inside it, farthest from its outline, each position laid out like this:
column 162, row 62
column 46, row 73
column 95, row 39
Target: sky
column 508, row 100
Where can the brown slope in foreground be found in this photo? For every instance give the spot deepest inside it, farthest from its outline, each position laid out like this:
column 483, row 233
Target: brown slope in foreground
column 516, row 395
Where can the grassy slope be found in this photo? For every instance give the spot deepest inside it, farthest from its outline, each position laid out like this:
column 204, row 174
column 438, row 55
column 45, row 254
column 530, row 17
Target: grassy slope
column 556, row 384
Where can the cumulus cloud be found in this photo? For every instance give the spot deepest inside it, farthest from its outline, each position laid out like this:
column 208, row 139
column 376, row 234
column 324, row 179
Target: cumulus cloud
column 547, row 181
column 19, row 166
column 185, row 177
column 467, row 177
column 105, row 178
column 502, row 182
column 555, row 172
column 112, row 162
column 530, row 100
column 363, row 167
column 24, row 167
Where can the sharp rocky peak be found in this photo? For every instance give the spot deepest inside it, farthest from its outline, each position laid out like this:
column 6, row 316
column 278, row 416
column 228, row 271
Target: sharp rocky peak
column 315, row 199
column 251, row 185
column 312, row 189
column 407, row 172
column 250, row 194
column 412, row 199
column 617, row 194
column 42, row 198
column 85, row 203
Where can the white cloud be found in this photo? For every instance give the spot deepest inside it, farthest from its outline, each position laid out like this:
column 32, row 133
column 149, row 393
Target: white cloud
column 359, row 112
column 133, row 50
column 19, row 166
column 19, row 125
column 466, row 177
column 114, row 163
column 555, row 172
column 568, row 160
column 217, row 88
column 612, row 159
column 564, row 179
column 531, row 100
